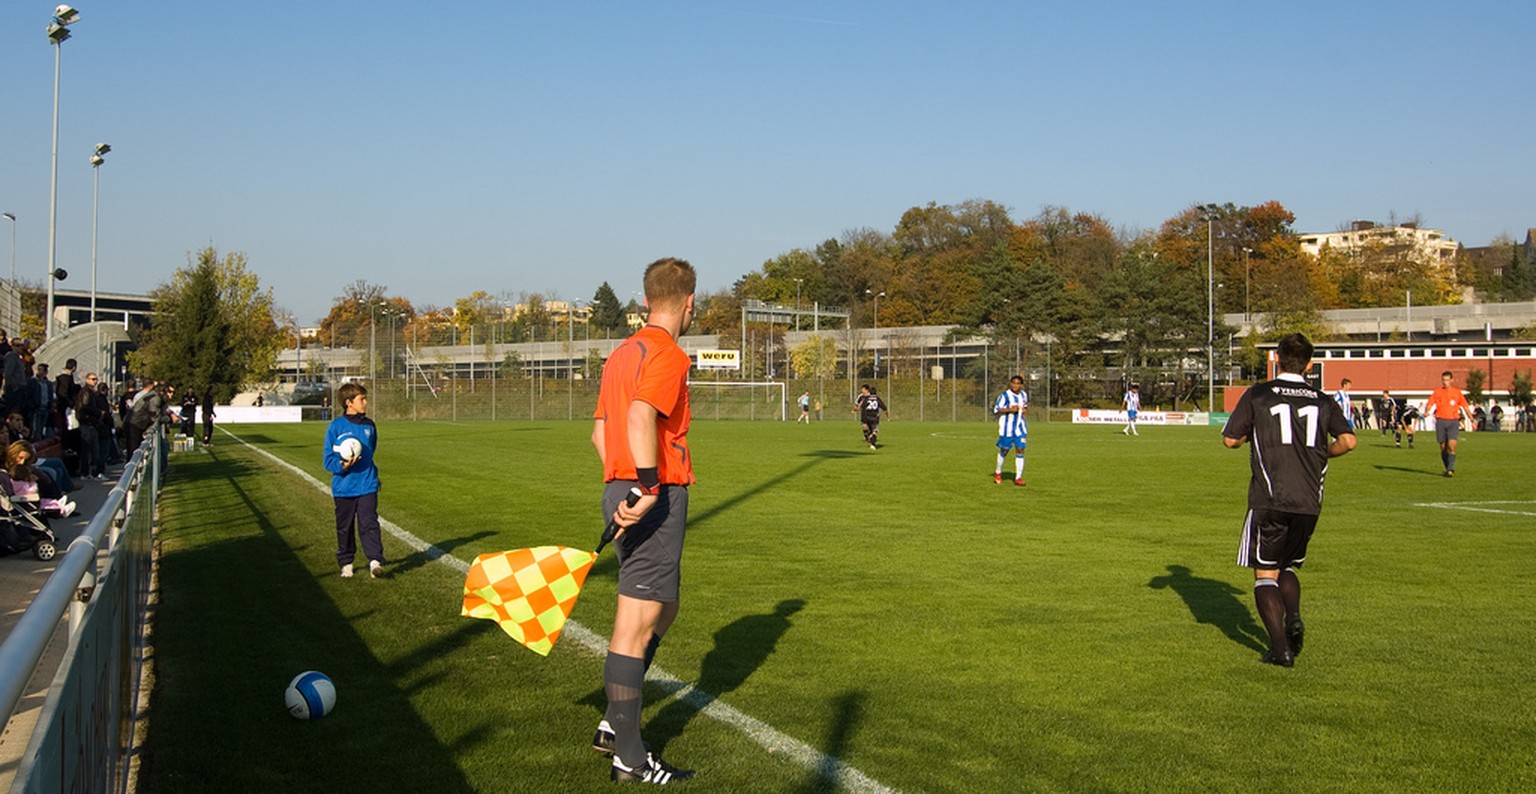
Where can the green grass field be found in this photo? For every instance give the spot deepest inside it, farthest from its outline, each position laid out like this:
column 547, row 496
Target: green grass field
column 893, row 610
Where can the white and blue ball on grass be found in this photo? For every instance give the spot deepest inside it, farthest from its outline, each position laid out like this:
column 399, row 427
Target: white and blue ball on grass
column 310, row 696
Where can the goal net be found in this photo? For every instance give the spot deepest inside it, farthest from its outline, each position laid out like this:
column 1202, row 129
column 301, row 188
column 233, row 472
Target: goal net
column 736, row 399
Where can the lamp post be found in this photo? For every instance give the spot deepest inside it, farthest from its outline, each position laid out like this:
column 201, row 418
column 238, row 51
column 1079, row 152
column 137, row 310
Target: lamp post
column 570, row 345
column 96, row 160
column 876, row 329
column 373, row 324
column 58, row 33
column 1210, row 210
column 1247, row 272
column 798, row 282
column 11, row 216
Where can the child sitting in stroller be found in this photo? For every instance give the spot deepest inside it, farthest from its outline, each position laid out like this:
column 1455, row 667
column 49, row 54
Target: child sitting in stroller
column 27, row 484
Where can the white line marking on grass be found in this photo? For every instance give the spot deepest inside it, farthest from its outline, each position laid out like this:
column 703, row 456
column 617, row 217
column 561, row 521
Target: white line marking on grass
column 766, row 736
column 1475, row 508
column 940, row 434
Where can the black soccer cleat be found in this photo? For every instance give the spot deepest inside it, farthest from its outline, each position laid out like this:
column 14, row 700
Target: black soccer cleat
column 602, row 739
column 654, row 771
column 1295, row 632
column 1279, row 659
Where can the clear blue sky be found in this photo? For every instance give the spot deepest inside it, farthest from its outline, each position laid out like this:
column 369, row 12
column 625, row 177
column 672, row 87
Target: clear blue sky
column 442, row 148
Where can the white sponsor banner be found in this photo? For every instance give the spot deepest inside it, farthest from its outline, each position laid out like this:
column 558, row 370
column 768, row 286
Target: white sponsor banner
column 719, row 359
column 250, row 414
column 1100, row 417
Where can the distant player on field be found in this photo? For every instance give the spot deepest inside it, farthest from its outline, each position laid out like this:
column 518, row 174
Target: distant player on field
column 1010, row 408
column 805, row 408
column 1386, row 413
column 868, row 406
column 1342, row 398
column 1407, row 419
column 1132, row 405
column 1447, row 405
column 1290, row 425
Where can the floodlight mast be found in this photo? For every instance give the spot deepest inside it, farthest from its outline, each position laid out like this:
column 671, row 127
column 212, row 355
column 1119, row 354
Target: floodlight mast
column 96, row 161
column 58, row 33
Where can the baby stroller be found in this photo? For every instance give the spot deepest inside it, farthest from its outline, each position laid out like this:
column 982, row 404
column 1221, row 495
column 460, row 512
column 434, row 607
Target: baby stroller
column 22, row 526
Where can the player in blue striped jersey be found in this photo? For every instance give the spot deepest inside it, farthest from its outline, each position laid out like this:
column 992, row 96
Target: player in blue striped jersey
column 1012, row 430
column 1132, row 404
column 1342, row 398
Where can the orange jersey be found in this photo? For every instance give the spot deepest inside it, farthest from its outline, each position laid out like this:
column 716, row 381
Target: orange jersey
column 649, row 366
column 1446, row 402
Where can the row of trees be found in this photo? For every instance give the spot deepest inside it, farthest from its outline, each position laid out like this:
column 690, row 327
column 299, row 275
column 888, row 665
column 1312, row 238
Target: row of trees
column 363, row 308
column 1106, row 297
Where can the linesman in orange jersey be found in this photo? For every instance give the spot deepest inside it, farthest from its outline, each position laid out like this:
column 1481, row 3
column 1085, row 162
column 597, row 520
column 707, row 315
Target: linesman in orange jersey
column 640, row 430
column 1447, row 404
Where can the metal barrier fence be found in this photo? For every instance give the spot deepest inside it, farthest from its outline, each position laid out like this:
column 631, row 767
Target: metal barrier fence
column 84, row 734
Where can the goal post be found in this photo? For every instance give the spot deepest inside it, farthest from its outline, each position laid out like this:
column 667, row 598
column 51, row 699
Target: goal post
column 767, row 385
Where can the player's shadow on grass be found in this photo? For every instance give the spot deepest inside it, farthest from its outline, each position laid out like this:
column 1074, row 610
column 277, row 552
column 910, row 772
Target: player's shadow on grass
column 848, row 710
column 740, row 648
column 1407, row 470
column 438, row 550
column 816, row 458
column 1216, row 603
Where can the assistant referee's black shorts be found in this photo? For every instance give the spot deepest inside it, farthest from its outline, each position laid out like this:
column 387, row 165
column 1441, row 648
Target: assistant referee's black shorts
column 651, row 552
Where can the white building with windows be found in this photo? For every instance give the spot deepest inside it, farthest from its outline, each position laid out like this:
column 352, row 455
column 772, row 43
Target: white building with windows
column 1366, row 236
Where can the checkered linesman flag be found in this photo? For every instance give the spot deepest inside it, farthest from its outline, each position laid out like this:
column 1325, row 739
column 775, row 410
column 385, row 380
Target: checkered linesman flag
column 528, row 592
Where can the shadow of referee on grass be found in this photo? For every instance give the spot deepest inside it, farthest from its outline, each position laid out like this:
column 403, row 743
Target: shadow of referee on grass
column 1216, row 603
column 740, row 648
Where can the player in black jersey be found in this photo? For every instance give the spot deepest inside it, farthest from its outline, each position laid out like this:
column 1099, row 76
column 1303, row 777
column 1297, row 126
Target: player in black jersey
column 868, row 406
column 1407, row 420
column 1293, row 430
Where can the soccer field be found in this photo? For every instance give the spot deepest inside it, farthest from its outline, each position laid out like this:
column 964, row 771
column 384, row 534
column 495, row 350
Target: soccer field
column 892, row 617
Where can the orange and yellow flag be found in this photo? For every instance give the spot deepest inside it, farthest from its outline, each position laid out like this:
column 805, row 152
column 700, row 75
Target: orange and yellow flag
column 528, row 592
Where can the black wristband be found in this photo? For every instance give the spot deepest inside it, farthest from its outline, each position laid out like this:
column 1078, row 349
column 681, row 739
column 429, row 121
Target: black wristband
column 650, row 481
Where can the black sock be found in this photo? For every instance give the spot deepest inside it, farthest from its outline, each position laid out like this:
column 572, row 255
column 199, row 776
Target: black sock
column 1450, row 462
column 1266, row 594
column 1290, row 594
column 624, row 681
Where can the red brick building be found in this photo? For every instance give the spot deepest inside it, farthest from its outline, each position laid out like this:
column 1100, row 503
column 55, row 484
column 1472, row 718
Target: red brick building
column 1410, row 369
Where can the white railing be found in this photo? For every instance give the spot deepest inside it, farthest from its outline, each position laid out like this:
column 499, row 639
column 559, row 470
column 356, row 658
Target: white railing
column 98, row 679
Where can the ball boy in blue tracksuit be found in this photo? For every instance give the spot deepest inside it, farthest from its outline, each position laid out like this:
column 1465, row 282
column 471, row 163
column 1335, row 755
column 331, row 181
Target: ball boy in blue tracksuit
column 355, row 481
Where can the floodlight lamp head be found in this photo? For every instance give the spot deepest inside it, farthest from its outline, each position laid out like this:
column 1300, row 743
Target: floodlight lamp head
column 58, row 34
column 65, row 14
column 103, row 148
column 10, row 216
column 97, row 160
column 61, row 274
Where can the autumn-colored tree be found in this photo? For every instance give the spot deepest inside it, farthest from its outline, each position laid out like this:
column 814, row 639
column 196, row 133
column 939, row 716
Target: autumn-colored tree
column 355, row 314
column 213, row 328
column 718, row 312
column 816, row 357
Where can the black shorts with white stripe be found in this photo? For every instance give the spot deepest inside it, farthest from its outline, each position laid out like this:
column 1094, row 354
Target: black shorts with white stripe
column 1274, row 540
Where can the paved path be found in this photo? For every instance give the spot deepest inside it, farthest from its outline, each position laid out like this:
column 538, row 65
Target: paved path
column 21, row 577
